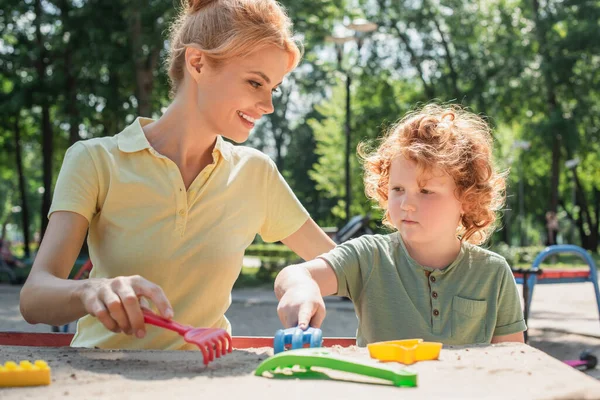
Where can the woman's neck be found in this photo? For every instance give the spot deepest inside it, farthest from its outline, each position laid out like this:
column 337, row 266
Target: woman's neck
column 180, row 135
column 434, row 255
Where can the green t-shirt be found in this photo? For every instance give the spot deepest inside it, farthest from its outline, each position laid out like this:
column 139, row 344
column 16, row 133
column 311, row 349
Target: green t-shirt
column 472, row 300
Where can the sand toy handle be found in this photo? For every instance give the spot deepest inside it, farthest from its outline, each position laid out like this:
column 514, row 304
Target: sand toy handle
column 157, row 320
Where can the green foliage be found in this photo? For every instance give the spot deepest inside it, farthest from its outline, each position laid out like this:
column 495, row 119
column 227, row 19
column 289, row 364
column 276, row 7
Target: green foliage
column 329, row 136
column 533, row 72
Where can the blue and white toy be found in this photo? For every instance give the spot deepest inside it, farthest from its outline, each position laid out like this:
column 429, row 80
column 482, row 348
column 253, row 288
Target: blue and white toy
column 296, row 338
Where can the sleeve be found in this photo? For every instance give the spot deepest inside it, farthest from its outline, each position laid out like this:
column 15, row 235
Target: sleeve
column 284, row 214
column 345, row 260
column 77, row 185
column 510, row 314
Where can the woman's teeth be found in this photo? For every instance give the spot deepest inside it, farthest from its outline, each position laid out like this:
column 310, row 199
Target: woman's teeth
column 246, row 117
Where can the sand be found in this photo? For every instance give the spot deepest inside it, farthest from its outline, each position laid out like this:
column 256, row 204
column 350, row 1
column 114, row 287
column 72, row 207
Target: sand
column 496, row 371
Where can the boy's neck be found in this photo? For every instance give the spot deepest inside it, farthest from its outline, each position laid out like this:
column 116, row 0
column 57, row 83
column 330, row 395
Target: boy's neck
column 434, row 255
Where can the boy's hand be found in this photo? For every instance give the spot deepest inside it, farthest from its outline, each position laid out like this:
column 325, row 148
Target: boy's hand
column 302, row 306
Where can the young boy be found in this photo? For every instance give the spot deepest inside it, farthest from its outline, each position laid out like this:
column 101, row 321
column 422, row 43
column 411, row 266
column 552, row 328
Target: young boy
column 433, row 175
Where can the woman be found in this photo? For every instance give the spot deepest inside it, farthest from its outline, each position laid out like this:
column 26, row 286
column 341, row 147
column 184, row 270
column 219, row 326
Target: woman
column 171, row 206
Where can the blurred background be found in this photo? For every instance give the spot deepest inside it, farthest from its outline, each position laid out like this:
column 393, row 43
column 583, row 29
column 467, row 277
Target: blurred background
column 77, row 69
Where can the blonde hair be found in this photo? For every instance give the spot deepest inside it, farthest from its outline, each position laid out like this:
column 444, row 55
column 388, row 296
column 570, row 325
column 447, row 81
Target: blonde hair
column 225, row 29
column 451, row 139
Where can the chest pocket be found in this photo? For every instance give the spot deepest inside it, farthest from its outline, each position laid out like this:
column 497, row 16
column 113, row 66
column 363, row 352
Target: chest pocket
column 468, row 320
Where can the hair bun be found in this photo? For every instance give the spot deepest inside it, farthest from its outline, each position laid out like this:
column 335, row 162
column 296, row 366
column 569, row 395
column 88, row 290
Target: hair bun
column 197, row 5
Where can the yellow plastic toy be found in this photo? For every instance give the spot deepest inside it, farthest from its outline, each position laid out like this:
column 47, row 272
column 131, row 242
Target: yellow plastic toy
column 405, row 351
column 24, row 374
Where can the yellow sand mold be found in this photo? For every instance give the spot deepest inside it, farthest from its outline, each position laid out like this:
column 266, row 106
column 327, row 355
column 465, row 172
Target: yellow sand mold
column 405, row 351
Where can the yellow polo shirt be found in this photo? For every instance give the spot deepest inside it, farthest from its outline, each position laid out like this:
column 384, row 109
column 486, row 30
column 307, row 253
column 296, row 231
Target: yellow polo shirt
column 191, row 243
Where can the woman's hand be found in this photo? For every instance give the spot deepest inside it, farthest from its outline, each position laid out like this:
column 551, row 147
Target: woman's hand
column 116, row 302
column 49, row 297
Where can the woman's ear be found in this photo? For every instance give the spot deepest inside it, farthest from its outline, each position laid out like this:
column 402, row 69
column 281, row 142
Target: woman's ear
column 194, row 62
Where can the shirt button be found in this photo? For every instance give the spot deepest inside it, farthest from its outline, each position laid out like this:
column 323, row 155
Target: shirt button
column 434, row 295
column 182, row 212
column 436, row 312
column 432, row 278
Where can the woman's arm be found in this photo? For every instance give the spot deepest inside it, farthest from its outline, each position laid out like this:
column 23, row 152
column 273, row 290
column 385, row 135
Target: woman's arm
column 309, row 241
column 49, row 297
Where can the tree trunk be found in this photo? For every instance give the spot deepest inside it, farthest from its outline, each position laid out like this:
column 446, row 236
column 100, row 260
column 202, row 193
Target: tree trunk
column 595, row 235
column 47, row 154
column 70, row 80
column 47, row 135
column 281, row 133
column 144, row 65
column 414, row 60
column 448, row 57
column 555, row 172
column 279, row 137
column 22, row 188
column 588, row 241
column 3, row 229
column 111, row 121
column 554, row 112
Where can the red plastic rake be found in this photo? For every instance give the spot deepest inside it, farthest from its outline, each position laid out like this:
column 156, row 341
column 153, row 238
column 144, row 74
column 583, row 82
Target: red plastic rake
column 213, row 342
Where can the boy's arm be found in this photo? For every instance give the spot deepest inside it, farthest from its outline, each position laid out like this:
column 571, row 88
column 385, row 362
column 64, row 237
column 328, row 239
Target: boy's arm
column 300, row 290
column 315, row 271
column 514, row 337
column 510, row 323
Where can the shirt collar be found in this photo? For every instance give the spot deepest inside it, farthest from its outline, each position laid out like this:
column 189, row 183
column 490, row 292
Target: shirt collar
column 415, row 264
column 223, row 148
column 132, row 139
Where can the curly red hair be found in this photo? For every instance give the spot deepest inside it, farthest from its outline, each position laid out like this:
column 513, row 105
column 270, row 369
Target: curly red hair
column 455, row 141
